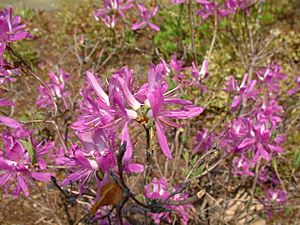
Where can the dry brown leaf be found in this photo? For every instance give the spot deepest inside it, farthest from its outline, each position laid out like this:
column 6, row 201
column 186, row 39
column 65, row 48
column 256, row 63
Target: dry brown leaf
column 111, row 194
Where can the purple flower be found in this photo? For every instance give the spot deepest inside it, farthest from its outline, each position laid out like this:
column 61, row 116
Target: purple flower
column 269, row 113
column 4, row 102
column 11, row 30
column 209, row 8
column 177, row 68
column 145, row 17
column 204, row 141
column 271, row 76
column 97, row 157
column 16, row 170
column 241, row 166
column 245, row 91
column 159, row 189
column 158, row 99
column 110, row 111
column 111, row 10
column 200, row 75
column 274, row 198
column 19, row 130
column 58, row 88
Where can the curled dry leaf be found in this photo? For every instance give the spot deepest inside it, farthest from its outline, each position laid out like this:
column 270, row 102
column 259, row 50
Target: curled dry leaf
column 111, row 194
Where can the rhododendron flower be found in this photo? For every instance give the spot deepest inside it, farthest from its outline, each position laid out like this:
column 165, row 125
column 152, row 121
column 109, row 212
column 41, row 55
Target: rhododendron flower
column 159, row 189
column 200, row 75
column 59, row 91
column 241, row 166
column 110, row 111
column 268, row 176
column 158, row 101
column 97, row 156
column 260, row 142
column 209, row 8
column 11, row 30
column 274, row 200
column 145, row 17
column 269, row 112
column 204, row 141
column 111, row 10
column 246, row 90
column 271, row 76
column 19, row 130
column 177, row 68
column 4, row 102
column 16, row 169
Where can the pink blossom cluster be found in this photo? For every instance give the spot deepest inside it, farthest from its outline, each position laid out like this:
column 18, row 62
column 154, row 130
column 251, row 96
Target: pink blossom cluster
column 210, row 7
column 159, row 189
column 21, row 158
column 11, row 30
column 58, row 89
column 114, row 10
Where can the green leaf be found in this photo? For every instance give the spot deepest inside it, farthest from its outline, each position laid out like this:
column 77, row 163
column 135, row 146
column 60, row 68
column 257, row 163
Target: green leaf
column 296, row 162
column 28, row 146
column 199, row 170
column 186, row 156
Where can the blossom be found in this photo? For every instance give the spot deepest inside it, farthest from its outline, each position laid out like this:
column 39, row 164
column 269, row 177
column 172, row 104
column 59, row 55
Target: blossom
column 157, row 99
column 110, row 111
column 145, row 17
column 241, row 166
column 4, row 102
column 19, row 130
column 177, row 68
column 271, row 76
column 245, row 91
column 16, row 170
column 159, row 189
column 111, row 10
column 209, row 8
column 11, row 30
column 200, row 75
column 58, row 87
column 96, row 157
column 274, row 199
column 204, row 141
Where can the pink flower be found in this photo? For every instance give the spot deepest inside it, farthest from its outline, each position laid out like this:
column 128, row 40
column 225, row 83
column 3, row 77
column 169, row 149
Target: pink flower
column 200, row 75
column 16, row 169
column 58, row 88
column 158, row 100
column 209, row 8
column 145, row 17
column 245, row 91
column 159, row 189
column 241, row 166
column 111, row 10
column 11, row 30
column 271, row 76
column 204, row 141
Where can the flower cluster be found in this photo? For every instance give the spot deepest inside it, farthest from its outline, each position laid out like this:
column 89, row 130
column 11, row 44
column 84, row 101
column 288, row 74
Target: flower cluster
column 210, row 8
column 113, row 10
column 21, row 161
column 11, row 30
column 159, row 189
column 149, row 106
column 58, row 87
